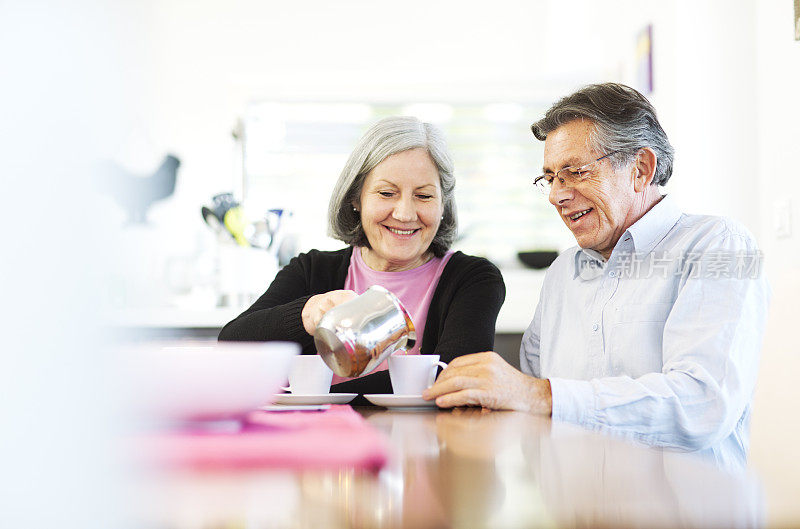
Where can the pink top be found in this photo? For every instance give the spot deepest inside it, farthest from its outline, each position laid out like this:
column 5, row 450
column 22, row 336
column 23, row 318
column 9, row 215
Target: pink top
column 413, row 287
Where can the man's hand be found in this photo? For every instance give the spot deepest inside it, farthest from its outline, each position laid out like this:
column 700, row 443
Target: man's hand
column 318, row 305
column 485, row 379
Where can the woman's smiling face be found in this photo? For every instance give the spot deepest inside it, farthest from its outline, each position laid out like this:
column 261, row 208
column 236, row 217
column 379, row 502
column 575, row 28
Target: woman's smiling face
column 401, row 208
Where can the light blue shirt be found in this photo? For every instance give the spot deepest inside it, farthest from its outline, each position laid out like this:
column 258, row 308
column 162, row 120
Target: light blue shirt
column 660, row 343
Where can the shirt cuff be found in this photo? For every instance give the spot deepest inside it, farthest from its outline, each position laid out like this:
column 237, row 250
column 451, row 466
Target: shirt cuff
column 573, row 400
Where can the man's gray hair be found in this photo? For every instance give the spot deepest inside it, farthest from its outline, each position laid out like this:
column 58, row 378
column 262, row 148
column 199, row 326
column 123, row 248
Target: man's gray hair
column 624, row 121
column 387, row 137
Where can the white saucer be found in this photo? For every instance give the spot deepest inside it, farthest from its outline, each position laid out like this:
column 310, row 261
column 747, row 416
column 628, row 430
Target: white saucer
column 328, row 398
column 316, row 407
column 408, row 402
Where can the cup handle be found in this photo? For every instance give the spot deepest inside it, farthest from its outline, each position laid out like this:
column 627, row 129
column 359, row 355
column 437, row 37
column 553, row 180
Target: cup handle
column 288, row 389
column 438, row 364
column 442, row 365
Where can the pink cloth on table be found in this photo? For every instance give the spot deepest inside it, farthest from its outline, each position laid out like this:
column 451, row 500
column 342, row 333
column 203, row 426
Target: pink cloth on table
column 413, row 287
column 334, row 438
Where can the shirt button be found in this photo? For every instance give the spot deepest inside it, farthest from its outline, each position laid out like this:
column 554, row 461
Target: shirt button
column 612, row 274
column 595, row 327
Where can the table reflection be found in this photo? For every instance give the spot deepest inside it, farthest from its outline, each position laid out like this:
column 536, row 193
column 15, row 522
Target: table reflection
column 592, row 480
column 470, row 468
column 508, row 469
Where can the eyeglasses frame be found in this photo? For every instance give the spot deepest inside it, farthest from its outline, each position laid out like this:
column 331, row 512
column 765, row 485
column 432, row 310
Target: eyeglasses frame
column 582, row 168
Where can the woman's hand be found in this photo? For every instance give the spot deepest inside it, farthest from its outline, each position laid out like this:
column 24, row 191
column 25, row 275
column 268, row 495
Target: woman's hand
column 318, row 305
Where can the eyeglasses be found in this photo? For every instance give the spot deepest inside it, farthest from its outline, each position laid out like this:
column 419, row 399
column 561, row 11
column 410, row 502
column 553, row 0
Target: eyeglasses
column 568, row 176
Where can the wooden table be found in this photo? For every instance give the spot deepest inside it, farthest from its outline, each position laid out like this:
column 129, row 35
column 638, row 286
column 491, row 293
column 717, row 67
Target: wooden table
column 469, row 468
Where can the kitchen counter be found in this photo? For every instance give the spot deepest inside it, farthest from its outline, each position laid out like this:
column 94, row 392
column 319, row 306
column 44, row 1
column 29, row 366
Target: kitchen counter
column 522, row 294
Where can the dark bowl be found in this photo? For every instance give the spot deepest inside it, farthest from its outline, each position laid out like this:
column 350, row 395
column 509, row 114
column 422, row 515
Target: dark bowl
column 538, row 259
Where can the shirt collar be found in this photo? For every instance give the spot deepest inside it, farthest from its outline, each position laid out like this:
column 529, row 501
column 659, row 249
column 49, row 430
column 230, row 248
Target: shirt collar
column 645, row 232
column 654, row 225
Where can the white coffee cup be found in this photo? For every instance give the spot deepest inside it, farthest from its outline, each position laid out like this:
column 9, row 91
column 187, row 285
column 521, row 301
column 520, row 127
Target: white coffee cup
column 308, row 375
column 413, row 374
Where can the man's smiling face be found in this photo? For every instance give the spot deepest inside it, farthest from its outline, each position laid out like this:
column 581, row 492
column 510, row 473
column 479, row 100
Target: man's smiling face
column 600, row 207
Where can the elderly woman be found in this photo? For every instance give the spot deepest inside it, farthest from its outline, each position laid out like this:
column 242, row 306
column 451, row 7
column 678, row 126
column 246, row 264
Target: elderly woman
column 394, row 207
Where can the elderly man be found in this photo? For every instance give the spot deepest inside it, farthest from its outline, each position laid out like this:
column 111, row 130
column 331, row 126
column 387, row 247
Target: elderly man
column 651, row 327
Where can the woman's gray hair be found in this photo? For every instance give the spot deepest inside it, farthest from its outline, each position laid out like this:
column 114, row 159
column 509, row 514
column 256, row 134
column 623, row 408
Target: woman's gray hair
column 387, row 137
column 624, row 121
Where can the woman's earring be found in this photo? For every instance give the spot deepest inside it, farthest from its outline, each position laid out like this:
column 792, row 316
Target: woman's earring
column 355, row 210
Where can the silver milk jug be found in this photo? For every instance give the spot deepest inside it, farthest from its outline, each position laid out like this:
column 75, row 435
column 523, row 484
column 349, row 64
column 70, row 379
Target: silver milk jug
column 355, row 337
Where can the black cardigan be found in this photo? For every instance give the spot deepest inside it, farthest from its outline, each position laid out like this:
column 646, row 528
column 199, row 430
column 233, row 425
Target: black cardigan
column 461, row 317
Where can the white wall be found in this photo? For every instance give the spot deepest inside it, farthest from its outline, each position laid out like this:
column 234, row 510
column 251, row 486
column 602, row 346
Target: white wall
column 707, row 100
column 775, row 182
column 777, row 137
column 206, row 60
column 210, row 58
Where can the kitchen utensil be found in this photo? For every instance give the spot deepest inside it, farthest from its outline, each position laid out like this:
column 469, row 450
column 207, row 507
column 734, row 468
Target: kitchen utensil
column 236, row 222
column 355, row 337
